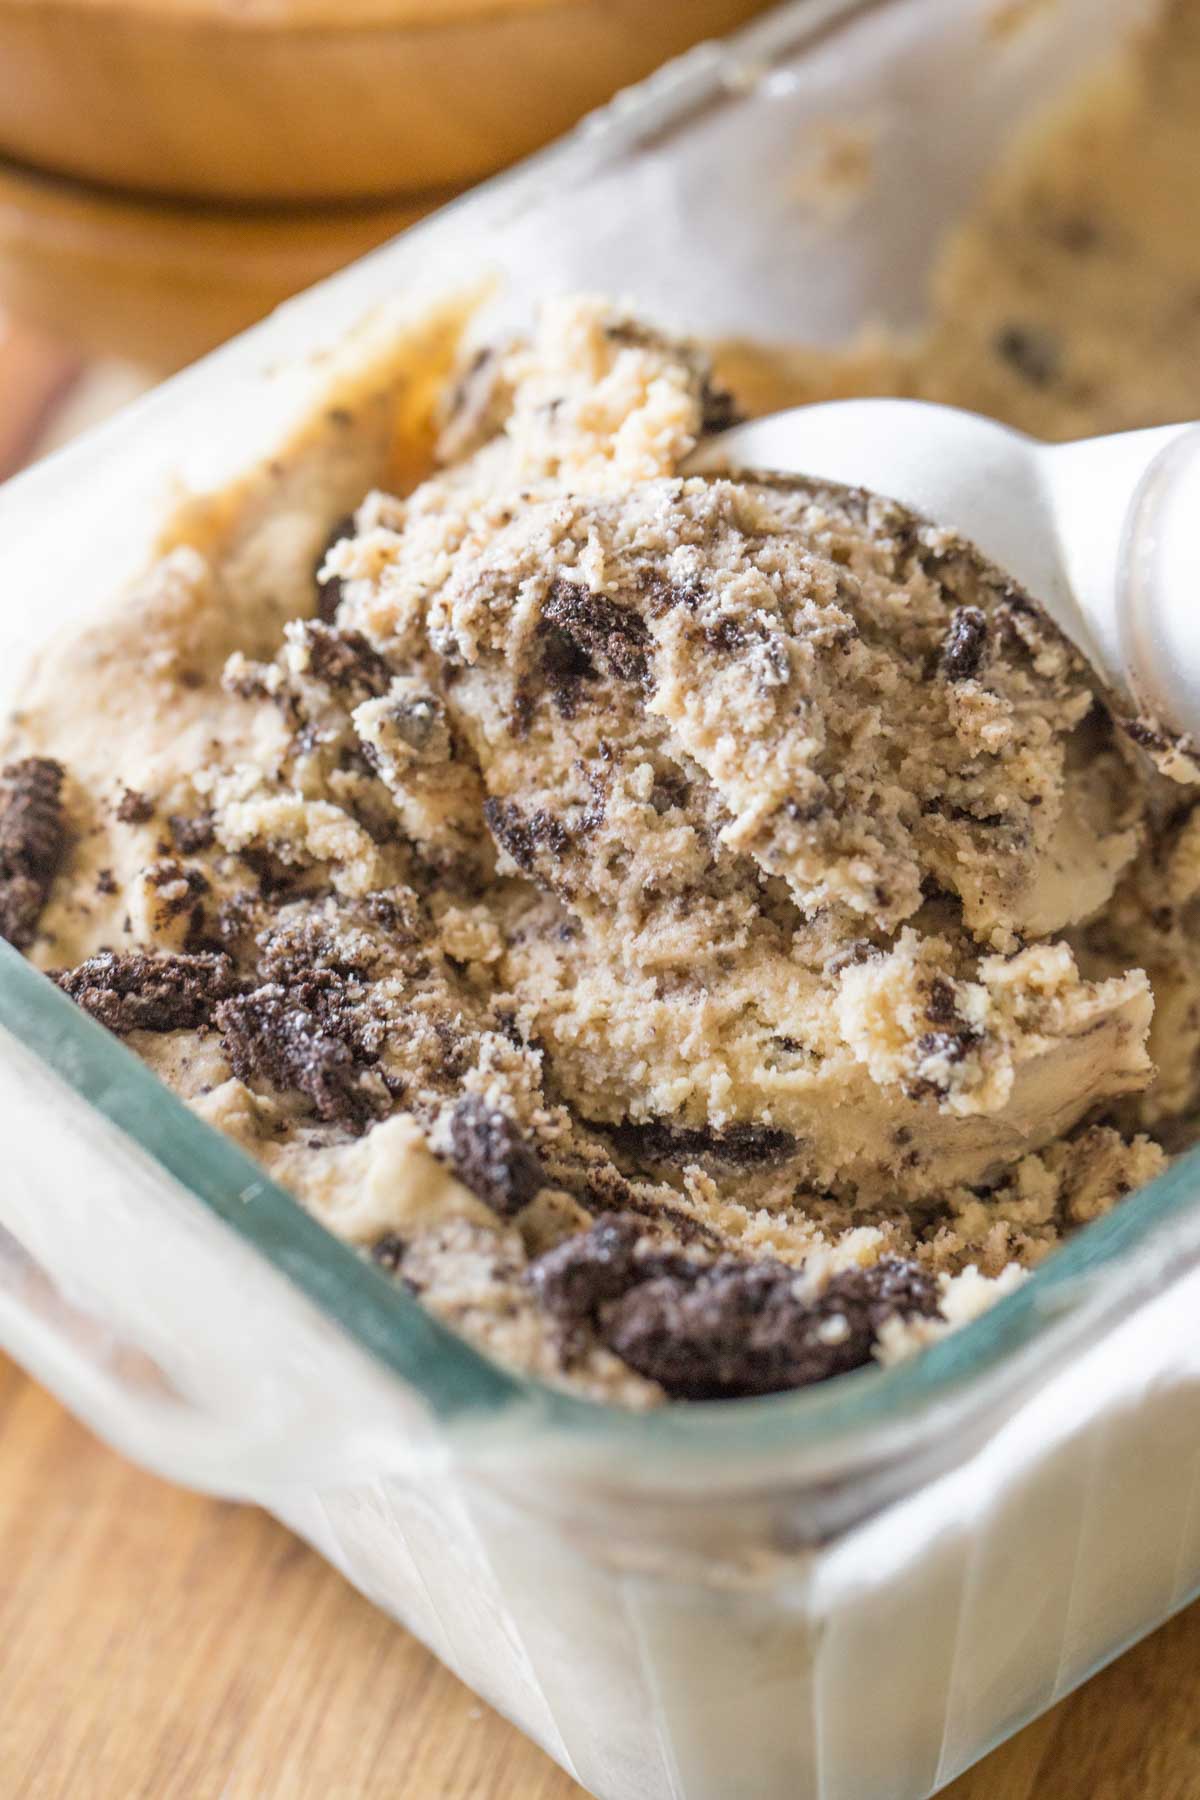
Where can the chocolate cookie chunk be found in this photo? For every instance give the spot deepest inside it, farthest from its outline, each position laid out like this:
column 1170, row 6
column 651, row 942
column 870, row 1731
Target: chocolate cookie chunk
column 531, row 839
column 33, row 838
column 133, row 992
column 574, row 1279
column 191, row 832
column 329, row 589
column 743, row 1146
column 492, row 1158
column 724, row 1329
column 965, row 644
column 345, row 661
column 134, row 807
column 738, row 1329
column 307, row 1036
column 609, row 635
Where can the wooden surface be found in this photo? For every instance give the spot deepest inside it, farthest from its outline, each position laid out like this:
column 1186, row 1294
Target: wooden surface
column 318, row 99
column 158, row 1646
column 159, row 282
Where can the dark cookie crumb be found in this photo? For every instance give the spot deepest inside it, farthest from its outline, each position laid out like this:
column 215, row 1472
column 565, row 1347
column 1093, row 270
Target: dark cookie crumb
column 662, row 596
column 722, row 1329
column 732, row 1330
column 1033, row 352
column 134, row 808
column 181, row 892
column 491, row 1157
column 308, row 1036
column 1150, row 737
column 741, row 1146
column 106, row 882
column 389, row 1251
column 892, row 1287
column 965, row 644
column 860, row 951
column 236, row 919
column 942, row 1007
column 524, row 836
column 345, row 660
column 299, row 945
column 952, row 1047
column 33, row 841
column 719, row 410
column 134, row 992
column 577, row 1276
column 601, row 630
column 191, row 832
column 329, row 590
column 419, row 720
column 273, row 875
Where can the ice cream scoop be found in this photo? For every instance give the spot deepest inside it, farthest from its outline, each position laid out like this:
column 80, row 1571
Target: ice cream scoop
column 1105, row 531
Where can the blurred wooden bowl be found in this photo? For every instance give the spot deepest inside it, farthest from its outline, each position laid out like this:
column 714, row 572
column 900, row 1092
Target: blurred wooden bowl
column 318, row 99
column 159, row 283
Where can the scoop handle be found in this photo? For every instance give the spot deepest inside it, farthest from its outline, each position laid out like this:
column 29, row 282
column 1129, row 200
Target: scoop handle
column 1158, row 589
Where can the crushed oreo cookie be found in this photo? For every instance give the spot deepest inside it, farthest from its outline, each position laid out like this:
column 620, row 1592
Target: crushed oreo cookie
column 602, row 633
column 345, row 660
column 722, row 1329
column 523, row 836
column 329, row 587
column 130, row 991
column 941, row 1006
column 734, row 1330
column 419, row 720
column 191, row 832
column 307, row 1036
column 490, row 1156
column 388, row 1251
column 573, row 1280
column 743, row 1146
column 33, row 840
column 965, row 644
column 134, row 808
column 180, row 891
column 719, row 410
column 936, row 1049
column 301, row 943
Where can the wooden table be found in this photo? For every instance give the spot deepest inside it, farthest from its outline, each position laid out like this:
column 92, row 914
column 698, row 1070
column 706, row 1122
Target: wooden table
column 159, row 1646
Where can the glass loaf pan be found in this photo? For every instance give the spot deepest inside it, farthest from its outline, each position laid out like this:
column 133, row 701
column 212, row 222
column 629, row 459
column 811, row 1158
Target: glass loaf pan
column 847, row 1593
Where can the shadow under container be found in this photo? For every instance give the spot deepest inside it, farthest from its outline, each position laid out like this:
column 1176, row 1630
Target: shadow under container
column 848, row 1593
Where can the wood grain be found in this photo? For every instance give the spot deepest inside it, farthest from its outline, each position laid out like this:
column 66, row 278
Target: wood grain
column 159, row 1646
column 158, row 282
column 318, row 99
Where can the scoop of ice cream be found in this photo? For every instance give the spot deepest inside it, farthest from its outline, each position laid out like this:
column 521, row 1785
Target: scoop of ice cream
column 785, row 780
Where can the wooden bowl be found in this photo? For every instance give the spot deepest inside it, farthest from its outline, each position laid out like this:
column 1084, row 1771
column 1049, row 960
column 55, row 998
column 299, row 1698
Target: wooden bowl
column 318, row 99
column 159, row 283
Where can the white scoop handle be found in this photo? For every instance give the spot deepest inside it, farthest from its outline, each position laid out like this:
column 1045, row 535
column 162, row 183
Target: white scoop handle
column 1104, row 532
